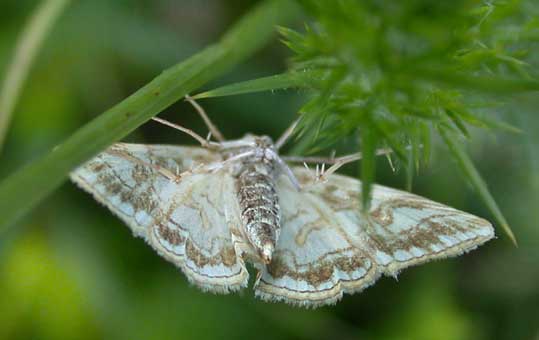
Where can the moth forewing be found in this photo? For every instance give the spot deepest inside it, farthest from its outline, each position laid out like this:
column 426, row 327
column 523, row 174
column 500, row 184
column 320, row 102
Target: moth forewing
column 183, row 221
column 353, row 251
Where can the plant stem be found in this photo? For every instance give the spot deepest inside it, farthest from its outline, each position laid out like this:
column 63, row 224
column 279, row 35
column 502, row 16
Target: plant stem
column 28, row 45
column 27, row 187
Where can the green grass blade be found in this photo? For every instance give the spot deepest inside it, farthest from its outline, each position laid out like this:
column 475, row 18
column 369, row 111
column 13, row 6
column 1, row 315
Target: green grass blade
column 368, row 165
column 28, row 45
column 275, row 82
column 471, row 173
column 488, row 84
column 27, row 187
column 425, row 139
column 410, row 170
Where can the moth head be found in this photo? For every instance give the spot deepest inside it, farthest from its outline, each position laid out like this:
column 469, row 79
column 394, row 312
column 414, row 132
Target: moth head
column 259, row 141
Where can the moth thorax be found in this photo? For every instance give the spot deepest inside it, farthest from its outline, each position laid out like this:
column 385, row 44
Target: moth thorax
column 259, row 205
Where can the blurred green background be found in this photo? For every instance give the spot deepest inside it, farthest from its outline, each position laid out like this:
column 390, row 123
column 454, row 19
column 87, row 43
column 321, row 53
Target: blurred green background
column 71, row 270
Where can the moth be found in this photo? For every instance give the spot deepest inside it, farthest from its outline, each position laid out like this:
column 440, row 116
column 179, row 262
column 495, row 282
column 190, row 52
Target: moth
column 211, row 209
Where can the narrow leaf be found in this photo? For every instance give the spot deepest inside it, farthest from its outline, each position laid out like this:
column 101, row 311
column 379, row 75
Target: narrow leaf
column 486, row 122
column 368, row 165
column 275, row 82
column 458, row 122
column 28, row 46
column 471, row 173
column 498, row 124
column 409, row 171
column 398, row 148
column 488, row 84
column 425, row 140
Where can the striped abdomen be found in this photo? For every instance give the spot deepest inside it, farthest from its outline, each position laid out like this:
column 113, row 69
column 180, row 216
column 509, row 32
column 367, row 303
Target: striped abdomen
column 259, row 208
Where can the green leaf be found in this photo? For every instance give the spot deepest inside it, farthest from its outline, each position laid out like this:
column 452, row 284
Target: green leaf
column 471, row 173
column 398, row 148
column 27, row 187
column 368, row 165
column 497, row 124
column 28, row 45
column 425, row 142
column 410, row 171
column 483, row 83
column 275, row 82
column 458, row 122
column 412, row 166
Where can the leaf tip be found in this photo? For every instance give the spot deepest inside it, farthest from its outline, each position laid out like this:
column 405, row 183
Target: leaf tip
column 510, row 234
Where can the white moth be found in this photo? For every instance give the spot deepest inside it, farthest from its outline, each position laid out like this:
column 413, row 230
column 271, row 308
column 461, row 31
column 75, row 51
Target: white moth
column 209, row 209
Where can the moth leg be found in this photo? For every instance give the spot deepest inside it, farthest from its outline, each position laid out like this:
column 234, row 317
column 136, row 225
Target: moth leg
column 174, row 177
column 287, row 133
column 332, row 160
column 216, row 166
column 340, row 161
column 203, row 142
column 177, row 177
column 322, row 174
column 300, row 159
column 286, row 169
column 213, row 129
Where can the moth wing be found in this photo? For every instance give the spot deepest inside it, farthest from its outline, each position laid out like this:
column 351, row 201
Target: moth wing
column 316, row 259
column 402, row 229
column 184, row 221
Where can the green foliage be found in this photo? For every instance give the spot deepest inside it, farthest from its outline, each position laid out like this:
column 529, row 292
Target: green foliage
column 399, row 71
column 391, row 70
column 73, row 270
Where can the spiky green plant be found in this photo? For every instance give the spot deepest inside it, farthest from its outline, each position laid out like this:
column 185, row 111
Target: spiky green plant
column 395, row 73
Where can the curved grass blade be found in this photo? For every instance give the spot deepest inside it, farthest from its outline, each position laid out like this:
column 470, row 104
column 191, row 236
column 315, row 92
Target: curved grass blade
column 27, row 187
column 301, row 80
column 488, row 84
column 368, row 165
column 28, row 45
column 471, row 173
column 275, row 82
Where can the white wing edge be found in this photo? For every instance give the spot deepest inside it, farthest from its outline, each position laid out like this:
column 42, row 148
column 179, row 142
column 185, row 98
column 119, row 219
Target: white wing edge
column 393, row 269
column 270, row 293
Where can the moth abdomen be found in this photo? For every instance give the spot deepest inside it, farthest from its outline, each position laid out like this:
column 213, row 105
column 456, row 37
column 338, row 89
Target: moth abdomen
column 259, row 206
